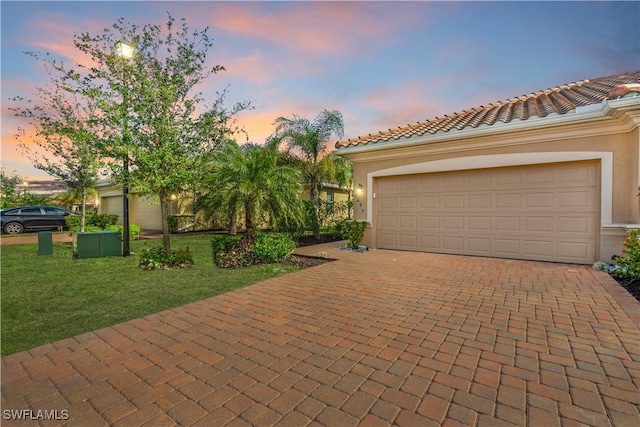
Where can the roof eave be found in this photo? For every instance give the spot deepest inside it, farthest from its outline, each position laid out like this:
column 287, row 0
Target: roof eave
column 608, row 108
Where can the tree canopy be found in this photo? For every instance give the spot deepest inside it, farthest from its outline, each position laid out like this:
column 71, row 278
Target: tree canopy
column 307, row 143
column 149, row 117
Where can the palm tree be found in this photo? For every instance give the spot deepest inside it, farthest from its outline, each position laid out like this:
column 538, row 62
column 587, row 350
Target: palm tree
column 307, row 143
column 252, row 180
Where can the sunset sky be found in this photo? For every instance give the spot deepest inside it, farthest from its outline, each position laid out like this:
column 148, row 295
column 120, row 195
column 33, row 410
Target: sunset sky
column 382, row 64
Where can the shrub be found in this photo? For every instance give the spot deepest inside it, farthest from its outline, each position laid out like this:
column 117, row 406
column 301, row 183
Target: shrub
column 73, row 223
column 173, row 223
column 134, row 230
column 353, row 231
column 273, row 247
column 222, row 243
column 157, row 259
column 101, row 221
column 628, row 264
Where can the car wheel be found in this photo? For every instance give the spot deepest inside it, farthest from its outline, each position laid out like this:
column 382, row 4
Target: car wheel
column 13, row 228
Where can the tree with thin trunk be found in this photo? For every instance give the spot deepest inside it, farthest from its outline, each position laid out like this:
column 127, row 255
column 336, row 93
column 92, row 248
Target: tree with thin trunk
column 152, row 121
column 62, row 122
column 307, row 143
column 252, row 180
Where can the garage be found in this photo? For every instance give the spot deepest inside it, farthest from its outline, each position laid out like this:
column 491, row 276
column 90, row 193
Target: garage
column 112, row 205
column 546, row 212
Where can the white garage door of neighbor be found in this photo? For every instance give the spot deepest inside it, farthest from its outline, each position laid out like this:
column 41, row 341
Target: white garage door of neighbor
column 539, row 212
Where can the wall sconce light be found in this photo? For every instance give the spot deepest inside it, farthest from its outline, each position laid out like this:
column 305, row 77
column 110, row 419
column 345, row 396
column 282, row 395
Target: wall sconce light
column 359, row 190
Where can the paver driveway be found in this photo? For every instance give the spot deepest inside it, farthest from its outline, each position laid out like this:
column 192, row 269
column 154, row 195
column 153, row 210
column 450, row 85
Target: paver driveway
column 374, row 339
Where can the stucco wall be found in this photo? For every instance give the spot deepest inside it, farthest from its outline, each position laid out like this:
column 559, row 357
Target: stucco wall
column 621, row 147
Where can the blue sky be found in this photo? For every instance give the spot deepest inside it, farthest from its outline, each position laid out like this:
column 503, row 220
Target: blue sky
column 382, row 64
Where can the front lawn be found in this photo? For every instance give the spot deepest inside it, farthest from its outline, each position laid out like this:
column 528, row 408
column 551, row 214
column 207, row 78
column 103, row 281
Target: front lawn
column 48, row 298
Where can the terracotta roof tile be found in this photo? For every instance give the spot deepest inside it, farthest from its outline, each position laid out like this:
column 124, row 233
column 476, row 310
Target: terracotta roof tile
column 557, row 100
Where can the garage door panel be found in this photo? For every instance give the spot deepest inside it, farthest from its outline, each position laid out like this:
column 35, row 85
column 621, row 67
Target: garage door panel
column 479, row 223
column 508, row 247
column 408, row 202
column 506, row 178
column 542, row 248
column 575, row 199
column 574, row 224
column 507, row 223
column 453, row 202
column 528, row 212
column 388, row 221
column 453, row 223
column 388, row 240
column 408, row 222
column 508, row 200
column 388, row 203
column 429, row 243
column 538, row 224
column 482, row 245
column 453, row 243
column 453, row 182
column 480, row 201
column 429, row 222
column 576, row 250
column 430, row 202
column 408, row 241
column 539, row 200
column 480, row 181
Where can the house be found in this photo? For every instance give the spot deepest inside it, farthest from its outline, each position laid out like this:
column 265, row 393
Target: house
column 144, row 211
column 550, row 176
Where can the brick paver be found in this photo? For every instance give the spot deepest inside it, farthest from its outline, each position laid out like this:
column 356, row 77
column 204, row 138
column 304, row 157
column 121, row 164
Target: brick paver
column 372, row 339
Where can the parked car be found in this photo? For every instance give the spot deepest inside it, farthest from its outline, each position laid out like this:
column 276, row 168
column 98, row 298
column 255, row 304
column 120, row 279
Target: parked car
column 32, row 218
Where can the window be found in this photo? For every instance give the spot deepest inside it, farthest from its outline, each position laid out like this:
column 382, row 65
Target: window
column 330, row 199
column 54, row 211
column 31, row 211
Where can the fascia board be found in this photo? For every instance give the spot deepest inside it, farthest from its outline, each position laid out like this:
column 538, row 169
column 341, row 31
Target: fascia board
column 590, row 113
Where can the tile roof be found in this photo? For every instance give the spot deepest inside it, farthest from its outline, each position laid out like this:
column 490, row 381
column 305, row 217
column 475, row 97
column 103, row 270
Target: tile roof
column 556, row 100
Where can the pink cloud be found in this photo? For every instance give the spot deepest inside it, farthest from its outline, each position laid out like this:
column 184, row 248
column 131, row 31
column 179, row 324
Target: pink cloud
column 323, row 27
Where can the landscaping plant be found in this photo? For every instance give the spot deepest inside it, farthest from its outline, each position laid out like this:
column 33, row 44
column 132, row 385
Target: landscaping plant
column 159, row 259
column 627, row 266
column 353, row 232
column 273, row 247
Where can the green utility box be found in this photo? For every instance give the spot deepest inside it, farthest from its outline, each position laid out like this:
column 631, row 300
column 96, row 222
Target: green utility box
column 98, row 244
column 45, row 243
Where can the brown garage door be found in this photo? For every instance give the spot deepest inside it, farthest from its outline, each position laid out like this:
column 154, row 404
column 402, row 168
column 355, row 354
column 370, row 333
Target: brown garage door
column 542, row 212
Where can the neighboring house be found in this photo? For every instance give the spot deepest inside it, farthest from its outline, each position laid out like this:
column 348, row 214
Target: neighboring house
column 145, row 211
column 328, row 192
column 551, row 176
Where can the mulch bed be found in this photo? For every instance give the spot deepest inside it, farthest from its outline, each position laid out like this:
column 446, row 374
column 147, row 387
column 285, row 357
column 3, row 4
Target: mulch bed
column 631, row 285
column 302, row 261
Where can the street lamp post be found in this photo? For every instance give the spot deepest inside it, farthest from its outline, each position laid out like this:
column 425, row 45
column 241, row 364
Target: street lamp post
column 126, row 51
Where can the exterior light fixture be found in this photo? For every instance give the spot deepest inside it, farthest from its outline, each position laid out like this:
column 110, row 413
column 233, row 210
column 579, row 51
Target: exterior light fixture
column 126, row 51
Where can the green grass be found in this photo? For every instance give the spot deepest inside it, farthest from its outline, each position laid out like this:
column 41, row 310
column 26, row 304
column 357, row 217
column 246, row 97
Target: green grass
column 48, row 298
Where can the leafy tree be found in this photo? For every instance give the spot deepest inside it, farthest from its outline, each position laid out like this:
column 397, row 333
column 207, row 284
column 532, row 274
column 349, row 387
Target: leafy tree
column 63, row 124
column 9, row 192
column 251, row 179
column 152, row 121
column 307, row 143
column 11, row 196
